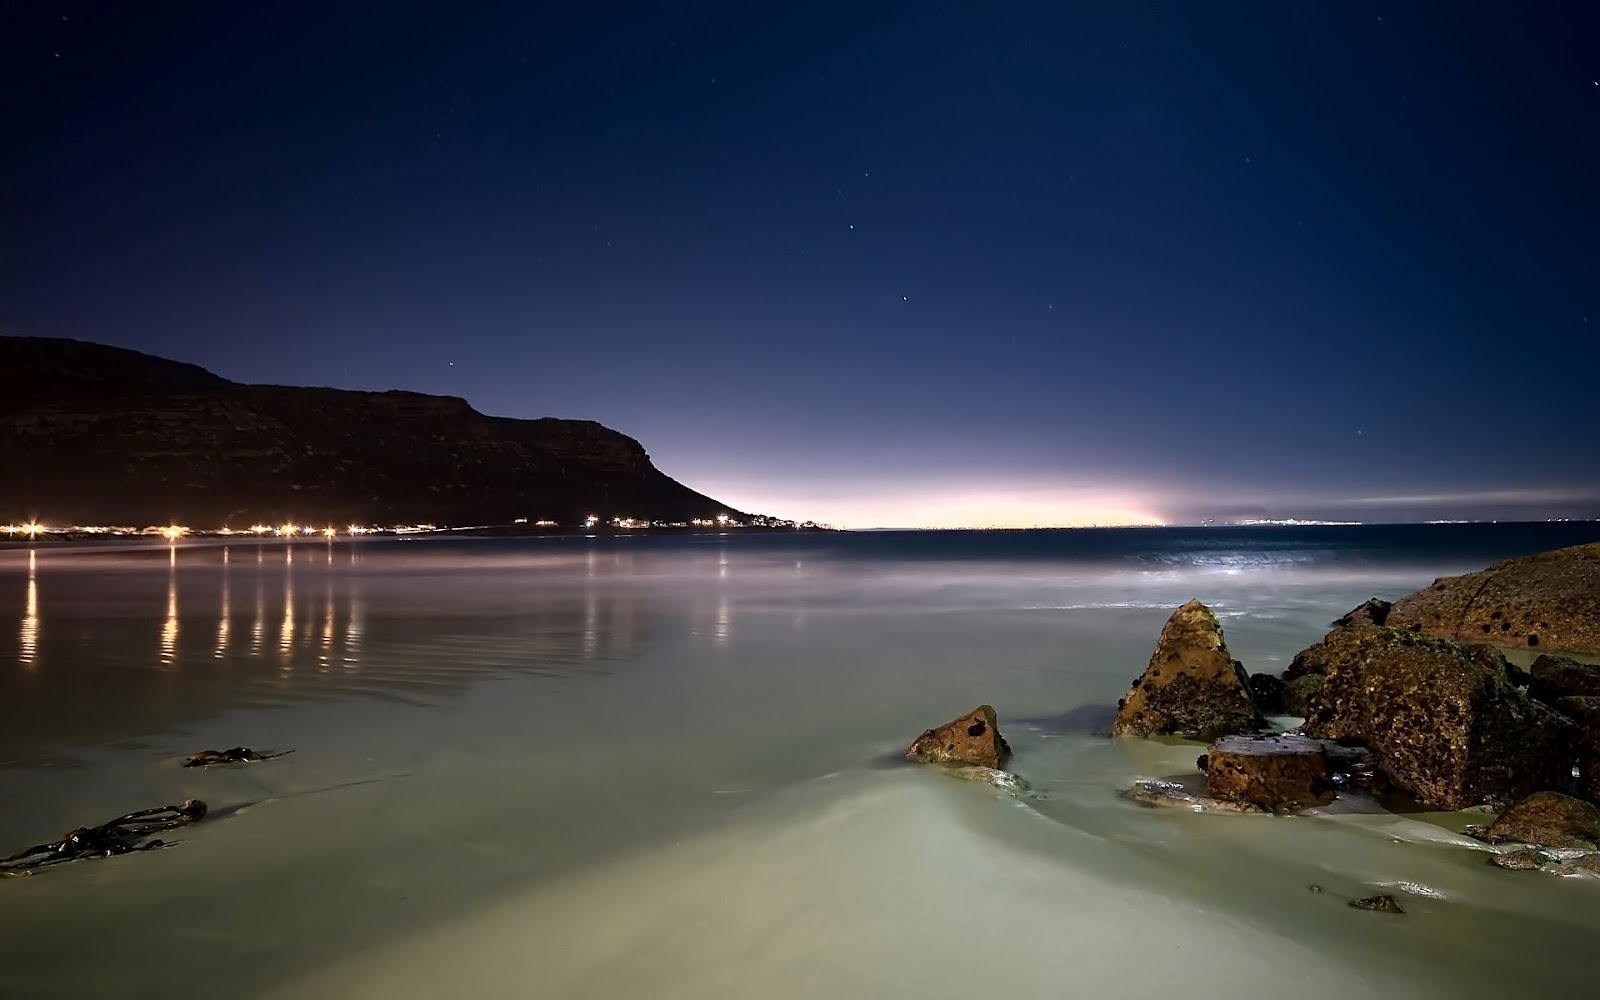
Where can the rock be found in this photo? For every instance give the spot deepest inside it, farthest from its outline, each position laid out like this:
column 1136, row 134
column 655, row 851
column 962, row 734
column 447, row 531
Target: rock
column 1181, row 793
column 1355, row 768
column 1003, row 780
column 1585, row 712
column 1444, row 727
column 1192, row 686
column 1548, row 819
column 1267, row 691
column 1378, row 904
column 1554, row 677
column 974, row 738
column 1549, row 601
column 1370, row 612
column 1524, row 860
column 1589, row 864
column 1297, row 693
column 1276, row 773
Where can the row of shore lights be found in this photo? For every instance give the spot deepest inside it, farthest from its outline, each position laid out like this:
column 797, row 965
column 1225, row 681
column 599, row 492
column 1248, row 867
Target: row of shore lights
column 173, row 532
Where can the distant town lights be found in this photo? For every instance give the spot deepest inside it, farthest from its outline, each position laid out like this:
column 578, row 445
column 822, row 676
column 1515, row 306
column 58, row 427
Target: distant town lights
column 173, row 532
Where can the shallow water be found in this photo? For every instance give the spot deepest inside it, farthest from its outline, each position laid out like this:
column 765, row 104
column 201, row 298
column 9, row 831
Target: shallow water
column 664, row 767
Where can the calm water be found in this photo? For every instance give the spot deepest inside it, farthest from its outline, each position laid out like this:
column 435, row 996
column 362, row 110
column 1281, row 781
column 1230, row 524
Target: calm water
column 663, row 767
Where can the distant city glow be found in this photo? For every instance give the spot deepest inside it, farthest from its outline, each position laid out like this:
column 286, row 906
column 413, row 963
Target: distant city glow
column 173, row 532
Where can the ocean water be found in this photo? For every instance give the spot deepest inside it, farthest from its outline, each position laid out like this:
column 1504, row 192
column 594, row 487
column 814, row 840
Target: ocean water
column 666, row 767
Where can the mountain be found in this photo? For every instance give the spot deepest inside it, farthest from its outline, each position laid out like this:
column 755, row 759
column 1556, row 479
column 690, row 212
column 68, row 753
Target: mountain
column 91, row 434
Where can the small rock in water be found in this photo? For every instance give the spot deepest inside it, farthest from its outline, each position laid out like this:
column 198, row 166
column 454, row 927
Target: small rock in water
column 1003, row 780
column 1589, row 864
column 1172, row 794
column 1378, row 904
column 973, row 738
column 1313, row 888
column 1524, row 860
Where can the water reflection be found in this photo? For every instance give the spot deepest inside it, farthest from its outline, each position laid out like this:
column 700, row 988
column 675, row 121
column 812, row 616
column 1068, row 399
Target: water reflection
column 222, row 612
column 286, row 629
column 30, row 617
column 169, row 628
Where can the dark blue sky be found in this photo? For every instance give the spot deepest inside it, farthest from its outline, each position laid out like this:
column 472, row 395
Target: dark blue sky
column 872, row 263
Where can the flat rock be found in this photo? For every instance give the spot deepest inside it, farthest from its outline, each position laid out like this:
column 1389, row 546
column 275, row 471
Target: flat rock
column 1003, row 780
column 973, row 738
column 1444, row 721
column 1192, row 686
column 1276, row 773
column 1524, row 860
column 1548, row 819
column 1177, row 793
column 1549, row 601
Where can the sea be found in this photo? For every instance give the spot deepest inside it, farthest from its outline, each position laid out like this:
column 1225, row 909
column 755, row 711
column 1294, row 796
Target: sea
column 641, row 766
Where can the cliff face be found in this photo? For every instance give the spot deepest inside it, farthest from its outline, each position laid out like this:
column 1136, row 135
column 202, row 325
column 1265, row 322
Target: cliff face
column 97, row 435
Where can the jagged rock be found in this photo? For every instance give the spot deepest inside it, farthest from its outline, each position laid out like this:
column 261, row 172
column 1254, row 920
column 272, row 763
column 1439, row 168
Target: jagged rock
column 1549, row 601
column 1524, row 860
column 1378, row 904
column 1548, row 819
column 1444, row 727
column 1277, row 773
column 1297, row 693
column 1267, row 691
column 973, row 738
column 1003, row 780
column 1183, row 793
column 1554, row 677
column 1372, row 611
column 1192, row 686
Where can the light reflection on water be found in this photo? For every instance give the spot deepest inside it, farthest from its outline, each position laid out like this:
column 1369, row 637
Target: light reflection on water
column 29, row 633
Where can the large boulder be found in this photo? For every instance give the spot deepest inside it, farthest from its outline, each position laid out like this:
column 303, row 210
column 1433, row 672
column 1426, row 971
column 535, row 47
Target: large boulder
column 1444, row 721
column 1192, row 686
column 973, row 738
column 1548, row 819
column 1549, row 601
column 1277, row 773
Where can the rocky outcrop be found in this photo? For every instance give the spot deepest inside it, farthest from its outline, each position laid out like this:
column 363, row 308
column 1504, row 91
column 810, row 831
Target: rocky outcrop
column 1275, row 773
column 1298, row 692
column 1445, row 722
column 1268, row 692
column 1548, row 819
column 1549, row 601
column 91, row 435
column 1372, row 611
column 973, row 738
column 1192, row 687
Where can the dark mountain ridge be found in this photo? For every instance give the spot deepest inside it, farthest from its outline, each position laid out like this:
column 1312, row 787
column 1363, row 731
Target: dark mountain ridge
column 92, row 434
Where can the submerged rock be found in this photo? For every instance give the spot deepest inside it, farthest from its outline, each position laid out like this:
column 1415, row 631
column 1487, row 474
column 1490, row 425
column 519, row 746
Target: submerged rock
column 973, row 738
column 1276, row 773
column 1524, row 860
column 1548, row 819
column 1549, row 601
column 1589, row 864
column 1003, row 780
column 1445, row 723
column 1177, row 793
column 1378, row 904
column 1372, row 611
column 1192, row 686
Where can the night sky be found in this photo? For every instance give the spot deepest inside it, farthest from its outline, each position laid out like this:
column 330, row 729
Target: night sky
column 874, row 264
